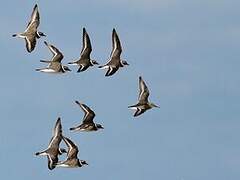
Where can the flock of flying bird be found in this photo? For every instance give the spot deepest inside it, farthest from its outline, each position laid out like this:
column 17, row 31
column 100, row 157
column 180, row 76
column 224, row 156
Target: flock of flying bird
column 31, row 34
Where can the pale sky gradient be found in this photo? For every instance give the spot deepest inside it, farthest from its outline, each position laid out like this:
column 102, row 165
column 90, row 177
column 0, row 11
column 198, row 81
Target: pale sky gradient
column 186, row 51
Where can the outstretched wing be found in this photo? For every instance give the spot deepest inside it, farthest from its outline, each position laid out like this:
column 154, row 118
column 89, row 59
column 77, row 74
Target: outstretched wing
column 52, row 160
column 72, row 148
column 57, row 135
column 138, row 112
column 116, row 45
column 111, row 70
column 86, row 46
column 30, row 43
column 57, row 55
column 57, row 131
column 35, row 18
column 143, row 91
column 88, row 113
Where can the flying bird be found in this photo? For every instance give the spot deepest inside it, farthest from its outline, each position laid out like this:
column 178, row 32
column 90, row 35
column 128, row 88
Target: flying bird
column 87, row 123
column 31, row 34
column 115, row 61
column 54, row 65
column 72, row 160
column 143, row 103
column 53, row 149
column 85, row 61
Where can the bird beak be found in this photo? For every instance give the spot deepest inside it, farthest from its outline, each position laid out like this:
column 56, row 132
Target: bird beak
column 43, row 34
column 67, row 69
column 95, row 62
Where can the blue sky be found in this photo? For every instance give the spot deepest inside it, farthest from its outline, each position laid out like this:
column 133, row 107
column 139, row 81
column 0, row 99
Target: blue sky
column 188, row 54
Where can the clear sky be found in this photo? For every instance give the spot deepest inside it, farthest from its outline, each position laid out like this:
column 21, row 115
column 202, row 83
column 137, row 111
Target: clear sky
column 186, row 51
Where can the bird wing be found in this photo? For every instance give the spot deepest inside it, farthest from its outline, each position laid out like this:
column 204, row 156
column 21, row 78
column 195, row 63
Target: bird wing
column 115, row 54
column 35, row 18
column 143, row 91
column 88, row 113
column 57, row 55
column 111, row 70
column 57, row 135
column 30, row 43
column 72, row 148
column 52, row 160
column 86, row 45
column 116, row 45
column 138, row 112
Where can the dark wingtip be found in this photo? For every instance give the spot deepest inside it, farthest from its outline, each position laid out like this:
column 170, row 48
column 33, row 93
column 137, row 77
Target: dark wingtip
column 37, row 69
column 71, row 129
column 84, row 29
column 14, row 35
column 45, row 42
column 136, row 114
column 37, row 153
column 51, row 167
column 79, row 70
column 58, row 119
column 29, row 50
column 77, row 102
column 108, row 74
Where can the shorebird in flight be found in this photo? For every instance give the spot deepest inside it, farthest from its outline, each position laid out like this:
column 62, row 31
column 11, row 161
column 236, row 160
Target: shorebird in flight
column 54, row 65
column 87, row 123
column 53, row 149
column 72, row 160
column 115, row 61
column 85, row 61
column 31, row 34
column 143, row 103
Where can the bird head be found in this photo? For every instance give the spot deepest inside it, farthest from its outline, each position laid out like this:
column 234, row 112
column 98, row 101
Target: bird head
column 66, row 68
column 62, row 150
column 82, row 162
column 99, row 126
column 93, row 62
column 124, row 63
column 40, row 34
